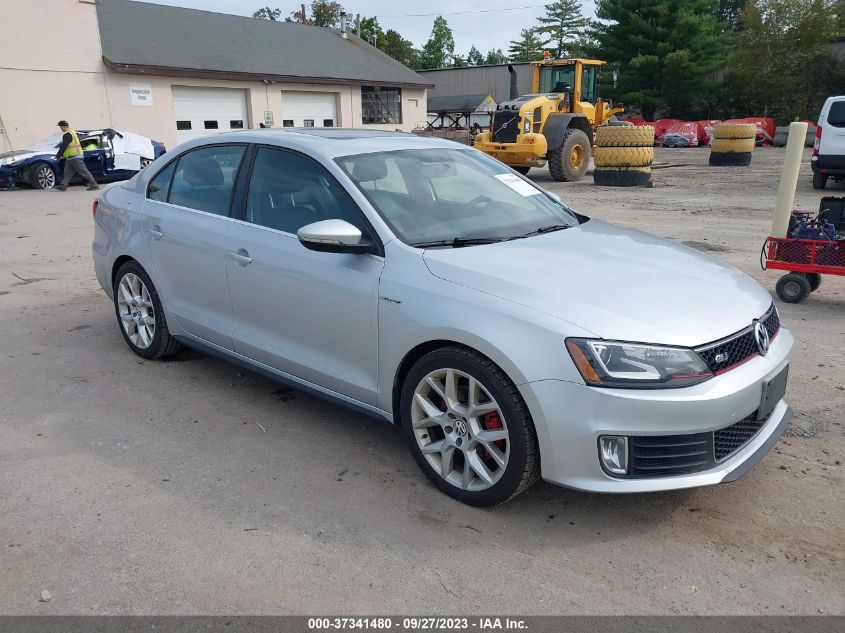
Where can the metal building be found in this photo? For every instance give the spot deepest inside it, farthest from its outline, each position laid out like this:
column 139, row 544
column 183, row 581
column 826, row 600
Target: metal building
column 473, row 80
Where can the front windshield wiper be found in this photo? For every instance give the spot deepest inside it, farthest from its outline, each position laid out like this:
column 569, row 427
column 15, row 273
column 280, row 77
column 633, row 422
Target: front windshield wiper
column 457, row 242
column 541, row 230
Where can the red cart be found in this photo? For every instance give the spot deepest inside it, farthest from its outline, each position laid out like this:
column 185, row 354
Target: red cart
column 806, row 261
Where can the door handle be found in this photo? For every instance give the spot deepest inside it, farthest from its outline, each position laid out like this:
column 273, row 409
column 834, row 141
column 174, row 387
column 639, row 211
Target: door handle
column 155, row 231
column 241, row 256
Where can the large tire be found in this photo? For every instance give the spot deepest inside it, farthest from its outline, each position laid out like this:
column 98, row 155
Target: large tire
column 732, row 145
column 819, row 180
column 793, row 287
column 42, row 176
column 520, row 170
column 562, row 163
column 615, row 177
column 627, row 136
column 735, row 130
column 815, row 280
column 143, row 302
column 730, row 160
column 448, row 438
column 623, row 156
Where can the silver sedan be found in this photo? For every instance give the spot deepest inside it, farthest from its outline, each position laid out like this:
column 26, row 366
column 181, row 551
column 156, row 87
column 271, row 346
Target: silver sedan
column 428, row 285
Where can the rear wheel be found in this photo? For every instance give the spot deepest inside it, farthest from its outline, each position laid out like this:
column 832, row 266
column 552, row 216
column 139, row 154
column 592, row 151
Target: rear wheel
column 520, row 170
column 819, row 180
column 42, row 176
column 815, row 280
column 793, row 287
column 569, row 162
column 145, row 162
column 468, row 428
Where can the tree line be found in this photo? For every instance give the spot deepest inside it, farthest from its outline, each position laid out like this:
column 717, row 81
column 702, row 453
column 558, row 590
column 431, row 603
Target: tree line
column 690, row 59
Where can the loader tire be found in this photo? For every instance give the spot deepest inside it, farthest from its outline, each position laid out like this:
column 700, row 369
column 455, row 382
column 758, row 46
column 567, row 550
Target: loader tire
column 735, row 130
column 569, row 162
column 718, row 159
column 615, row 177
column 732, row 145
column 623, row 156
column 625, row 136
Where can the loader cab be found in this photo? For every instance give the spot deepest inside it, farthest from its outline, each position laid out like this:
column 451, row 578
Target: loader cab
column 576, row 80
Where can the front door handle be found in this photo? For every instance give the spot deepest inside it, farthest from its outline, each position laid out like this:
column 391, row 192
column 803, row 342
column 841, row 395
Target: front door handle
column 241, row 256
column 155, row 231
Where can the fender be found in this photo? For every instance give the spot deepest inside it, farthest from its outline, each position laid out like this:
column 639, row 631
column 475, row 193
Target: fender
column 557, row 124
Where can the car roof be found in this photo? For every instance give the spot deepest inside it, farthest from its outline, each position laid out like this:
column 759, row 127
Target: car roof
column 328, row 142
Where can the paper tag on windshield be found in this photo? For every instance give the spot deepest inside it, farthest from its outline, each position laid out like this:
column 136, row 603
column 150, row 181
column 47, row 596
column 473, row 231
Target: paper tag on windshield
column 518, row 184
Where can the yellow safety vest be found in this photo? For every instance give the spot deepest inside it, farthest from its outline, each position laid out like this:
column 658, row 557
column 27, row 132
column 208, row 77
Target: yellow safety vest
column 75, row 147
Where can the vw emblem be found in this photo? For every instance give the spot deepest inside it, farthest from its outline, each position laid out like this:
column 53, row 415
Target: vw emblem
column 460, row 427
column 761, row 336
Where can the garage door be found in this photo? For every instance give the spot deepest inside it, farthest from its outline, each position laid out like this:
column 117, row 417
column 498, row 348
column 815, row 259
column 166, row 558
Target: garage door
column 202, row 111
column 309, row 109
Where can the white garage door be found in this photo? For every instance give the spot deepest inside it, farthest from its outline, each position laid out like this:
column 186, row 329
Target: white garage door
column 202, row 111
column 309, row 109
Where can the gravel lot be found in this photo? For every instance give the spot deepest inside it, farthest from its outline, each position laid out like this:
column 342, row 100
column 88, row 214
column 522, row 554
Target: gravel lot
column 133, row 487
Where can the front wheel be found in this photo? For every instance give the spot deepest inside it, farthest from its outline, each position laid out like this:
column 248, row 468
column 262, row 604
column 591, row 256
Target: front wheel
column 521, row 170
column 468, row 428
column 140, row 315
column 793, row 287
column 569, row 162
column 42, row 176
column 819, row 180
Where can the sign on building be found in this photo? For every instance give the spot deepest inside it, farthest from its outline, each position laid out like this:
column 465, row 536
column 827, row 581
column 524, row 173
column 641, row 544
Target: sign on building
column 142, row 94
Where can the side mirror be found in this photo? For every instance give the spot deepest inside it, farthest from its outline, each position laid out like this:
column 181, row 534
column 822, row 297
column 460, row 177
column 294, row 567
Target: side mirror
column 333, row 236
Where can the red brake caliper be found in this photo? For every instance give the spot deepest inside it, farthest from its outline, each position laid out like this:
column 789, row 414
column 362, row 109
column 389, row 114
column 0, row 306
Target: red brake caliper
column 493, row 421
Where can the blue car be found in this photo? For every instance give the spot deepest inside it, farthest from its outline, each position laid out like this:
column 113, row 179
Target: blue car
column 109, row 155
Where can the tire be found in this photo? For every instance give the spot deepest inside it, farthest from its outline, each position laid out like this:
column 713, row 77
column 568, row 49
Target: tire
column 622, row 177
column 793, row 287
column 145, row 162
column 561, row 165
column 732, row 145
column 161, row 343
column 735, row 130
column 819, row 180
column 625, row 136
column 730, row 160
column 518, row 451
column 520, row 170
column 42, row 176
column 815, row 280
column 623, row 156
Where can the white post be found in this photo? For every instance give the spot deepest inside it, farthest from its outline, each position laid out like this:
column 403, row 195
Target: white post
column 789, row 178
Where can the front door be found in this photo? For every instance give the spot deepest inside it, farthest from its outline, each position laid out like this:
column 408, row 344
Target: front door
column 186, row 222
column 310, row 314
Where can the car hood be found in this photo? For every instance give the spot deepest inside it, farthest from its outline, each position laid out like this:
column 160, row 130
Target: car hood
column 9, row 158
column 617, row 283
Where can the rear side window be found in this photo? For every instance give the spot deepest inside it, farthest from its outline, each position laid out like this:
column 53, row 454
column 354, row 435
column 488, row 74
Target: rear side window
column 836, row 116
column 204, row 178
column 160, row 184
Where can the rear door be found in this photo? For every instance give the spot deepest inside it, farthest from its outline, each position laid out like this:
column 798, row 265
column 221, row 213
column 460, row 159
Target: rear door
column 832, row 123
column 186, row 221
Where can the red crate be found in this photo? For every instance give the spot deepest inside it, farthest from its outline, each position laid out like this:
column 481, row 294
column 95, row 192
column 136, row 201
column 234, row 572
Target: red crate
column 806, row 256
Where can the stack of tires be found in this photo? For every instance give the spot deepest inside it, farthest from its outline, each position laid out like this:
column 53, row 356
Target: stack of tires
column 623, row 155
column 732, row 144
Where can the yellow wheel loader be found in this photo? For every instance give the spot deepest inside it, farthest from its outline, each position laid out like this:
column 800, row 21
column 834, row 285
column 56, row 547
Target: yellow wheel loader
column 554, row 124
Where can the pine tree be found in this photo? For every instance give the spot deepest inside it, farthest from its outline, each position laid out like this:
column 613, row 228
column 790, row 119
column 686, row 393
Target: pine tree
column 526, row 49
column 266, row 13
column 562, row 25
column 474, row 57
column 440, row 47
column 667, row 51
column 400, row 49
column 495, row 56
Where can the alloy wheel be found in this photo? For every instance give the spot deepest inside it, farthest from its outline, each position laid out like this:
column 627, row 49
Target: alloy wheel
column 460, row 429
column 46, row 177
column 145, row 162
column 137, row 315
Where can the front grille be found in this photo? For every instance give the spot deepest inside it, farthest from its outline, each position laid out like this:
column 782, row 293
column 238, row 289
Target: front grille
column 505, row 126
column 738, row 347
column 665, row 455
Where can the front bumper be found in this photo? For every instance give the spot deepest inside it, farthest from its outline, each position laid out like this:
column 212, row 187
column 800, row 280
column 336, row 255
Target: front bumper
column 530, row 149
column 570, row 417
column 8, row 178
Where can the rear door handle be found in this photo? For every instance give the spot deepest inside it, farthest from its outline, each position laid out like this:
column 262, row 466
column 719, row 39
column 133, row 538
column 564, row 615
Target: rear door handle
column 155, row 231
column 241, row 256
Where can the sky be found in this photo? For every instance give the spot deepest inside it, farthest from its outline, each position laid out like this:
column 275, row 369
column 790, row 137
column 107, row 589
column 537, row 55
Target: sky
column 492, row 29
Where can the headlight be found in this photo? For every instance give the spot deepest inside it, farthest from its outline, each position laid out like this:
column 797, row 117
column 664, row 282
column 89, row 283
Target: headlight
column 635, row 365
column 527, row 125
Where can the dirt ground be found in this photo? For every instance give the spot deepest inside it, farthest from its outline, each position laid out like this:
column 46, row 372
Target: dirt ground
column 133, row 487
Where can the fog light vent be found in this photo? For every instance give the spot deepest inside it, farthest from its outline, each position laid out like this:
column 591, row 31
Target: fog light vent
column 613, row 452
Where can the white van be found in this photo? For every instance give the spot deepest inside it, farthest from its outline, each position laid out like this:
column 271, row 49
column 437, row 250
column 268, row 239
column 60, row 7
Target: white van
column 828, row 160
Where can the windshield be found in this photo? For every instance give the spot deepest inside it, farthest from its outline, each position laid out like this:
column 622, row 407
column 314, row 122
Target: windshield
column 557, row 78
column 433, row 195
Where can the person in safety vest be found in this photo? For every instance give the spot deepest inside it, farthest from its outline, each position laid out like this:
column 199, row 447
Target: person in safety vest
column 70, row 151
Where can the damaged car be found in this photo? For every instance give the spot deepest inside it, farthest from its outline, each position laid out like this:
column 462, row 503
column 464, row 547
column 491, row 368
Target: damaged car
column 109, row 155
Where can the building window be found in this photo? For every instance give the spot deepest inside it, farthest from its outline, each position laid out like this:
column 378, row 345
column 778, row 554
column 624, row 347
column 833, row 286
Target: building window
column 210, row 125
column 236, row 124
column 183, row 125
column 287, row 123
column 308, row 123
column 328, row 122
column 381, row 105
